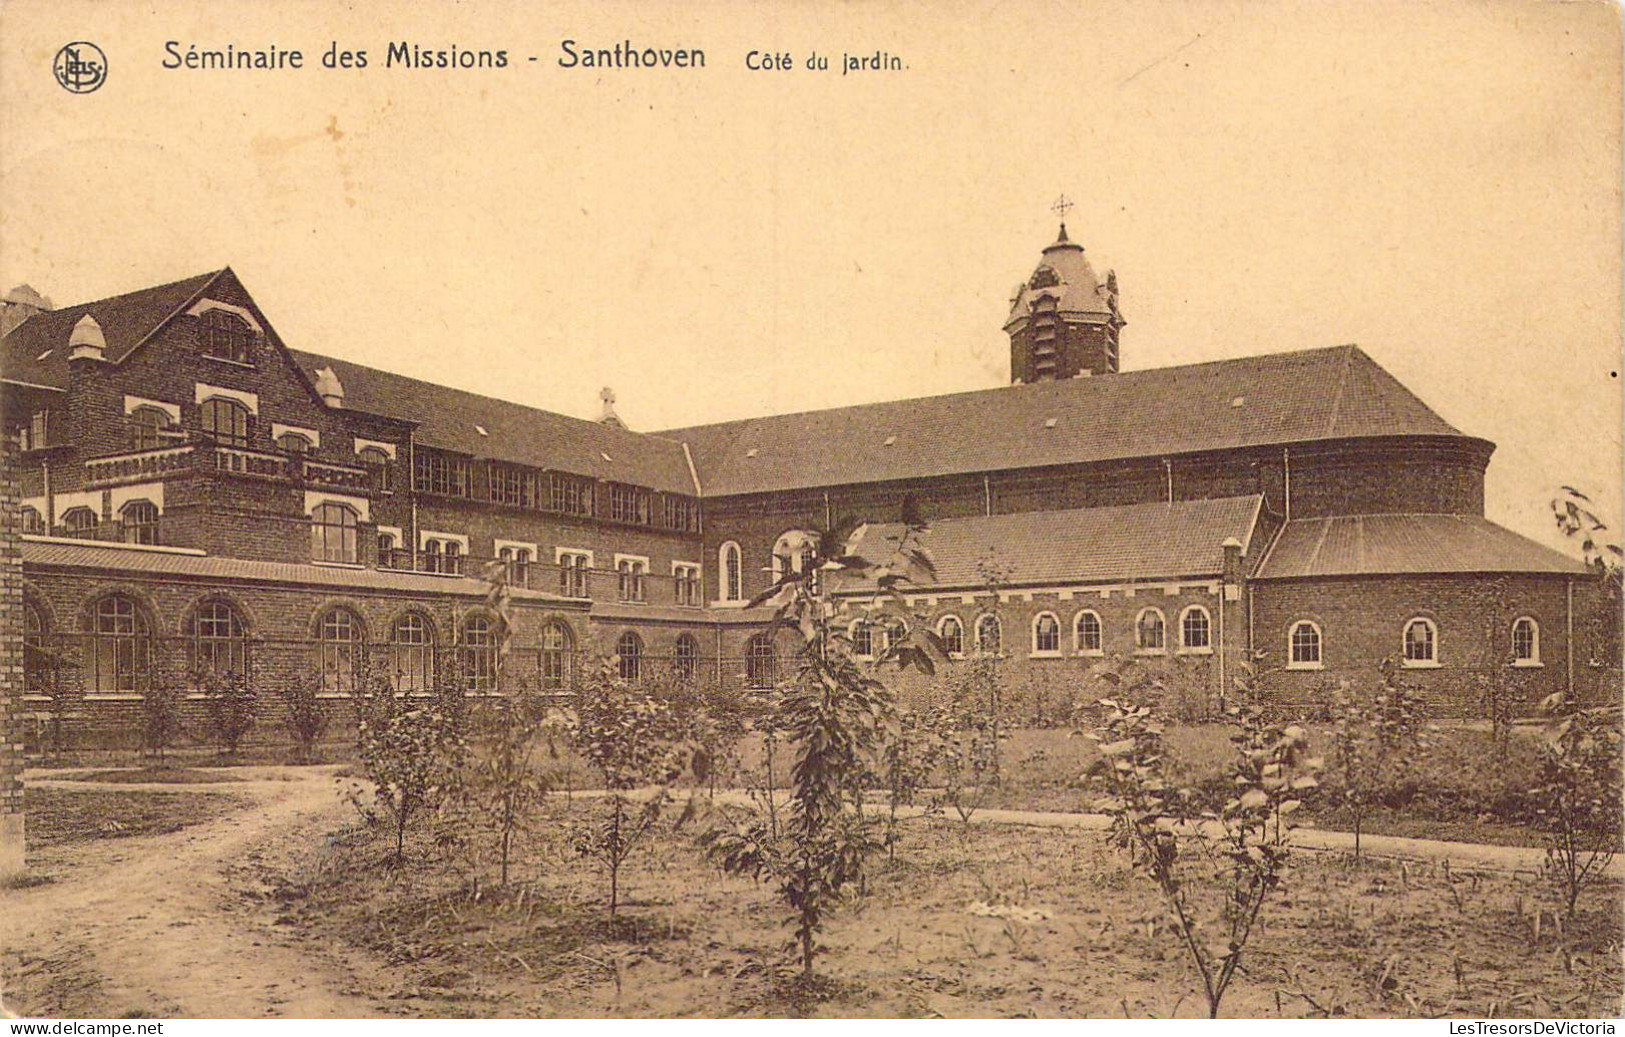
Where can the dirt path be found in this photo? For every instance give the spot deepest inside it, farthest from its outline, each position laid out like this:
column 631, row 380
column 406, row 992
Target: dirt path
column 159, row 924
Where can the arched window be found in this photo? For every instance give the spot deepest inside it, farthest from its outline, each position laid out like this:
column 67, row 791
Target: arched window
column 37, row 670
column 729, row 566
column 219, row 640
column 121, row 650
column 557, row 645
column 140, row 521
column 1046, row 634
column 479, row 652
column 31, row 521
column 1303, row 646
column 338, row 650
column 378, row 463
column 411, row 650
column 862, row 635
column 685, row 662
column 294, row 443
column 1421, row 643
column 80, row 522
column 147, row 428
column 989, row 635
column 1525, row 642
column 952, row 633
column 226, row 336
column 332, row 533
column 1195, row 630
column 760, row 663
column 1087, row 635
column 794, row 553
column 1150, row 632
column 225, row 421
column 629, row 656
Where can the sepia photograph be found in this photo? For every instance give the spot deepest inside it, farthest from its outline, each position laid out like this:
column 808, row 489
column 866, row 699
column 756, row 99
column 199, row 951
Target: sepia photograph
column 642, row 511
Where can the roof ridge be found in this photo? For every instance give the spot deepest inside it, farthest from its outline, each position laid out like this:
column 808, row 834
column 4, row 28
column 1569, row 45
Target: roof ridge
column 210, row 275
column 297, row 353
column 1098, row 380
column 1342, row 386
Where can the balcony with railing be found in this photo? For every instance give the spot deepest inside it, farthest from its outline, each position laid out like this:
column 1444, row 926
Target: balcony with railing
column 233, row 461
column 564, row 580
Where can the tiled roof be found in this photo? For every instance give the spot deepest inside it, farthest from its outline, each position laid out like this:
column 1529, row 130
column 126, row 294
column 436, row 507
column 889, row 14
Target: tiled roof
column 1277, row 398
column 615, row 610
column 1131, row 542
column 88, row 554
column 451, row 419
column 36, row 351
column 1365, row 545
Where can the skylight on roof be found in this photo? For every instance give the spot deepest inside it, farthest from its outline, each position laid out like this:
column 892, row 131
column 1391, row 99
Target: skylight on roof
column 1049, row 422
column 605, row 456
column 43, row 355
column 890, row 440
column 1238, row 401
column 481, row 430
column 752, row 452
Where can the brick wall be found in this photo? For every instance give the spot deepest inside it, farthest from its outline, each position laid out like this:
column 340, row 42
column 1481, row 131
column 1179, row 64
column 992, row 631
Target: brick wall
column 12, row 836
column 1362, row 620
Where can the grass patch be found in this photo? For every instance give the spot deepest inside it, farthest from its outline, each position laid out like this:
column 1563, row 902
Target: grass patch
column 57, row 815
column 157, row 775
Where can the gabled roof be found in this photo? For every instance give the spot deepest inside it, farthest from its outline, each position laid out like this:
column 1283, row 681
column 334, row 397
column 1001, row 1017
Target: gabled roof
column 53, row 552
column 1133, row 542
column 1369, row 545
column 451, row 419
column 36, row 351
column 1278, row 398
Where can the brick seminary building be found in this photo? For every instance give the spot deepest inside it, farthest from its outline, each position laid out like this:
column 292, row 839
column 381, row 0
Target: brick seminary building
column 195, row 495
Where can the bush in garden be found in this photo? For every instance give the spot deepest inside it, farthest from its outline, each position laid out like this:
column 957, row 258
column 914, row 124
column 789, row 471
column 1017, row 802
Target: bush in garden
column 412, row 751
column 1379, row 744
column 833, row 712
column 504, row 783
column 303, row 713
column 967, row 741
column 634, row 741
column 1579, row 793
column 1216, row 894
column 908, row 758
column 161, row 724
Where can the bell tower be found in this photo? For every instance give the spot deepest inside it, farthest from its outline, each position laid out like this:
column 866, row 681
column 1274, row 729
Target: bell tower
column 1064, row 322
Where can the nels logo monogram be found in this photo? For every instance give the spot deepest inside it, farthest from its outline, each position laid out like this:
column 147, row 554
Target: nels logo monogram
column 80, row 67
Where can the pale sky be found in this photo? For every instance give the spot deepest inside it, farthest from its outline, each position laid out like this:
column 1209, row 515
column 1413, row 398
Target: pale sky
column 1439, row 183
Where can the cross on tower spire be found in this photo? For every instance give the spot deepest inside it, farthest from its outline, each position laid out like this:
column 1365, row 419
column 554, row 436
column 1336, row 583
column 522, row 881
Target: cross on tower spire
column 1061, row 207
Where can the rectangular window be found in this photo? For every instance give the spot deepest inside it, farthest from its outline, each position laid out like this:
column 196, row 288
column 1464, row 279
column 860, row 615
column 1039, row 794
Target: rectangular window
column 569, row 494
column 513, row 485
column 679, row 512
column 32, row 435
column 573, row 571
column 687, row 579
column 628, row 504
column 631, row 573
column 439, row 473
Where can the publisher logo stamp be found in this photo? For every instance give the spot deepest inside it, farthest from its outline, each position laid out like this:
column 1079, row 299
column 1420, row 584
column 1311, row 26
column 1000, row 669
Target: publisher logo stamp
column 80, row 67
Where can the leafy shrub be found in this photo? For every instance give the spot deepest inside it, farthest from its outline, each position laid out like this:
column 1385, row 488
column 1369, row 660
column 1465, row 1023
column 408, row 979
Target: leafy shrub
column 303, row 713
column 633, row 740
column 161, row 724
column 1580, row 794
column 504, row 783
column 412, row 751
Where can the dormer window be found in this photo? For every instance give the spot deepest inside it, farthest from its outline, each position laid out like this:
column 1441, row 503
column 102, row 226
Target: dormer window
column 226, row 336
column 225, row 421
column 293, row 443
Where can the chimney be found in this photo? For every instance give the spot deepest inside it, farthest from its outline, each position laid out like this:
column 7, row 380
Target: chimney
column 608, row 416
column 1232, row 569
column 19, row 304
column 86, row 341
column 329, row 388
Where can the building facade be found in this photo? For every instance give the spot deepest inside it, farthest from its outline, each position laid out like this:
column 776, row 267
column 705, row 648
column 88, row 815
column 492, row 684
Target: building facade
column 195, row 496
